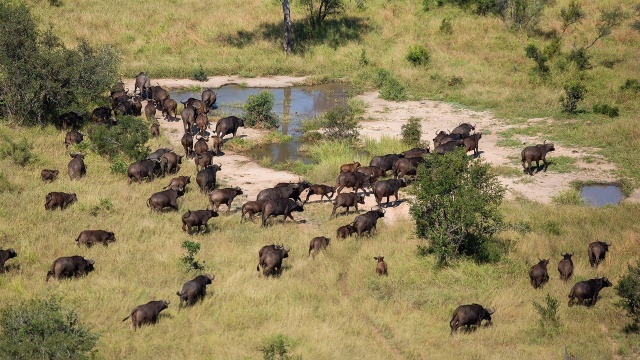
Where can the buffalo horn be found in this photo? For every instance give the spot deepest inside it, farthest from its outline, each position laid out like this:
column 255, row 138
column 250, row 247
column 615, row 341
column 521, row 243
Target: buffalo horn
column 91, row 261
column 491, row 310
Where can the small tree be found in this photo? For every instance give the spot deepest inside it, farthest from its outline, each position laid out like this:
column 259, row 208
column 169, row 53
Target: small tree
column 540, row 58
column 128, row 138
column 549, row 321
column 572, row 14
column 319, row 10
column 258, row 110
column 456, row 207
column 188, row 260
column 628, row 289
column 339, row 123
column 574, row 93
column 411, row 132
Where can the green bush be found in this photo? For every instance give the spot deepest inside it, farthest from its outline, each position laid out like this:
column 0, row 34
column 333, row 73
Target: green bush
column 541, row 68
column 199, row 75
column 574, row 93
column 628, row 289
column 411, row 132
column 605, row 109
column 19, row 152
column 418, row 55
column 390, row 87
column 258, row 111
column 549, row 321
column 5, row 184
column 276, row 348
column 631, row 84
column 580, row 57
column 126, row 139
column 42, row 329
column 119, row 167
column 339, row 123
column 188, row 261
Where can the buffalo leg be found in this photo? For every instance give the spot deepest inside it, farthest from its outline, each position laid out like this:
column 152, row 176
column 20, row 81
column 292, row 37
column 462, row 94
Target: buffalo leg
column 357, row 211
column 388, row 200
column 545, row 164
column 340, row 189
column 537, row 165
column 228, row 207
column 333, row 213
column 308, row 195
column 291, row 217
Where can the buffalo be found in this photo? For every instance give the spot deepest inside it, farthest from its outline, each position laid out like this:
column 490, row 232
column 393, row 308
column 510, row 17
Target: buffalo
column 198, row 106
column 216, row 144
column 317, row 244
column 142, row 169
column 59, row 199
column 158, row 94
column 386, row 188
column 209, row 98
column 536, row 153
column 202, row 122
column 76, row 168
column 381, row 266
column 73, row 137
column 223, row 196
column 71, row 266
column 157, row 155
column 565, row 267
column 282, row 206
column 345, row 231
column 163, row 199
column 204, row 159
column 415, row 152
column 463, row 130
column 251, row 208
column 406, row 166
column 443, row 138
column 201, row 145
column 197, row 218
column 155, row 130
column 187, row 144
column 206, row 178
column 49, row 175
column 322, row 190
column 147, row 313
column 349, row 167
column 194, row 290
column 450, row 146
column 468, row 316
column 179, row 183
column 292, row 191
column 70, row 119
column 586, row 292
column 353, row 180
column 143, row 82
column 91, row 237
column 597, row 252
column 6, row 255
column 538, row 274
column 471, row 143
column 270, row 259
column 101, row 114
column 347, row 200
column 373, row 172
column 385, row 162
column 188, row 116
column 228, row 125
column 150, row 111
column 170, row 163
column 169, row 106
column 367, row 221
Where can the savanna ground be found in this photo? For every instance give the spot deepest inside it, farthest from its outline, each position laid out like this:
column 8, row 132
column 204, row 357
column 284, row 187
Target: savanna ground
column 333, row 306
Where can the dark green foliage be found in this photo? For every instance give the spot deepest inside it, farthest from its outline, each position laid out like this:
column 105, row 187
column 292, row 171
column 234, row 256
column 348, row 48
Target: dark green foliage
column 580, row 57
column 549, row 321
column 19, row 152
column 126, row 139
column 258, row 111
column 42, row 329
column 574, row 93
column 119, row 167
column 631, row 84
column 418, row 55
column 276, row 348
column 411, row 132
column 390, row 87
column 105, row 205
column 572, row 14
column 339, row 123
column 39, row 77
column 553, row 47
column 188, row 260
column 628, row 289
column 446, row 27
column 5, row 185
column 199, row 75
column 456, row 207
column 56, row 3
column 364, row 61
column 318, row 10
column 605, row 109
column 635, row 25
column 541, row 68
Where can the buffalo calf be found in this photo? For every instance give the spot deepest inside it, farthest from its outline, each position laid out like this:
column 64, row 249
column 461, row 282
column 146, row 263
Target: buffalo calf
column 71, row 266
column 322, row 190
column 91, row 237
column 251, row 208
column 179, row 183
column 55, row 199
column 381, row 267
column 6, row 255
column 317, row 244
column 347, row 200
column 538, row 274
column 345, row 231
column 147, row 313
column 197, row 218
column 49, row 175
column 223, row 196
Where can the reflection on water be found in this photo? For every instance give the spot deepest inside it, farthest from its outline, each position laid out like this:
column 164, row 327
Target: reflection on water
column 602, row 194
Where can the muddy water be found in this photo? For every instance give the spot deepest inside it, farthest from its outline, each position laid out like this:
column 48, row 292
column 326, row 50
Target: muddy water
column 602, row 194
column 292, row 105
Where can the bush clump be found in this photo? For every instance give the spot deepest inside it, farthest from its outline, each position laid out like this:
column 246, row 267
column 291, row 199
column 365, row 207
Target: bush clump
column 126, row 139
column 258, row 111
column 199, row 75
column 276, row 348
column 339, row 123
column 188, row 260
column 20, row 152
column 418, row 55
column 411, row 132
column 628, row 289
column 632, row 85
column 541, row 68
column 42, row 329
column 390, row 87
column 605, row 109
column 548, row 311
column 574, row 93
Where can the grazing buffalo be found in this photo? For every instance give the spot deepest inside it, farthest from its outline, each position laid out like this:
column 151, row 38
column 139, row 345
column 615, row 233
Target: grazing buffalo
column 76, row 168
column 202, row 122
column 223, row 196
column 471, row 143
column 381, row 266
column 150, row 111
column 204, row 159
column 285, row 191
column 251, row 208
column 349, row 167
column 143, row 82
column 317, row 244
column 270, row 259
column 49, row 175
column 463, row 130
column 373, row 172
column 386, row 188
column 228, row 125
column 201, row 145
column 406, row 166
column 536, row 153
column 538, row 274
column 70, row 119
column 367, row 221
column 565, row 267
column 322, row 190
column 345, row 231
column 179, row 183
column 597, row 252
column 187, row 144
column 587, row 291
column 194, row 290
column 59, row 199
column 385, row 162
column 206, row 178
column 347, row 200
column 92, row 237
column 155, row 130
column 216, row 144
column 468, row 316
column 142, row 169
column 73, row 137
column 170, row 163
column 415, row 152
column 197, row 218
column 147, row 313
column 209, row 98
column 6, row 255
column 282, row 206
column 450, row 146
column 353, row 180
column 71, row 266
column 163, row 199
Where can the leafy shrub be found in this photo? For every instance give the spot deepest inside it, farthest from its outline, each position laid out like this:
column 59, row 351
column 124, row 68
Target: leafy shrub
column 199, row 75
column 631, row 84
column 258, row 111
column 446, row 27
column 548, row 311
column 390, row 87
column 411, row 132
column 364, row 60
column 418, row 55
column 119, row 167
column 188, row 260
column 19, row 152
column 5, row 184
column 276, row 348
column 126, row 139
column 628, row 289
column 541, row 68
column 339, row 123
column 41, row 329
column 574, row 93
column 605, row 109
column 104, row 205
column 580, row 57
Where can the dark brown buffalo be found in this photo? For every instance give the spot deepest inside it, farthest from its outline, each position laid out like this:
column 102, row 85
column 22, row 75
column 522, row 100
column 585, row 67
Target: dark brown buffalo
column 463, row 130
column 322, row 190
column 345, row 231
column 49, row 175
column 188, row 116
column 381, row 266
column 373, row 172
column 202, row 122
column 446, row 139
column 471, row 143
column 387, row 188
column 406, row 166
column 317, row 244
column 353, row 180
column 59, row 199
column 92, row 237
column 468, row 316
column 228, row 125
column 197, row 105
column 206, row 178
column 565, row 267
column 204, row 159
column 143, row 82
column 270, row 259
column 586, row 292
column 157, row 155
column 73, row 137
column 179, row 183
column 187, row 144
column 101, row 114
column 536, row 153
column 194, row 290
column 201, row 145
column 284, row 191
column 251, row 208
column 216, row 144
column 70, row 119
column 597, row 252
column 71, row 266
column 76, row 168
column 155, row 130
column 385, row 162
column 416, row 152
column 538, row 274
column 147, row 313
column 450, row 146
column 169, row 106
column 150, row 111
column 142, row 169
column 349, row 167
column 209, row 98
column 439, row 136
column 163, row 199
column 367, row 222
column 282, row 206
column 347, row 200
column 197, row 218
column 223, row 196
column 6, row 255
column 170, row 163
column 159, row 95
